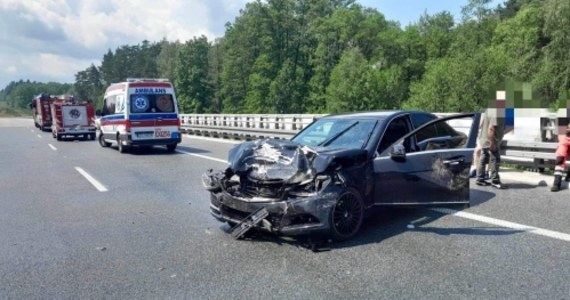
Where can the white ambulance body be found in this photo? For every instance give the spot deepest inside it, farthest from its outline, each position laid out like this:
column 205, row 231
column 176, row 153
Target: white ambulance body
column 140, row 112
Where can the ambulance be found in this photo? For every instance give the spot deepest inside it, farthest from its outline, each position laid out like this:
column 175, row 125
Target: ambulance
column 140, row 112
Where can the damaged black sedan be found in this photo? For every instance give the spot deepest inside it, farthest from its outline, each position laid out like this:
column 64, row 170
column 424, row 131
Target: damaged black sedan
column 326, row 177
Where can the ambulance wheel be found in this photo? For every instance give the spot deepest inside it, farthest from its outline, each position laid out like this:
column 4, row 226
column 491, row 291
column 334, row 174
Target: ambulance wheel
column 122, row 148
column 102, row 141
column 171, row 147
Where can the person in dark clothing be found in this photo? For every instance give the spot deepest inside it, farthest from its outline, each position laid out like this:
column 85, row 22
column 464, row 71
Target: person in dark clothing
column 490, row 139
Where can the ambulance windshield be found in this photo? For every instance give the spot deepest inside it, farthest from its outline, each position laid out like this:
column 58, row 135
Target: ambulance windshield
column 152, row 103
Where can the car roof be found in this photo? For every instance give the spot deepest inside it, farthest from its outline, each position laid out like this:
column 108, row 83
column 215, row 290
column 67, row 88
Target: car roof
column 374, row 114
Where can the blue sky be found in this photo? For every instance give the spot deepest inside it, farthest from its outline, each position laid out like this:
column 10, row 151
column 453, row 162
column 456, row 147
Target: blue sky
column 47, row 40
column 409, row 11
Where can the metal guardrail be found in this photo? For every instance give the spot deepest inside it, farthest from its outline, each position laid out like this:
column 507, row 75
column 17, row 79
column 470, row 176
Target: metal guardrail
column 241, row 126
column 538, row 155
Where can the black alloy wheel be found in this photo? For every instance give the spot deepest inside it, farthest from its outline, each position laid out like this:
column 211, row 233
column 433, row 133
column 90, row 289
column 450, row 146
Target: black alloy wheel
column 346, row 216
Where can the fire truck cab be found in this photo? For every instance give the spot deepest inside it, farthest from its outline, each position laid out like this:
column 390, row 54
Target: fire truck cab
column 140, row 112
column 41, row 111
column 72, row 118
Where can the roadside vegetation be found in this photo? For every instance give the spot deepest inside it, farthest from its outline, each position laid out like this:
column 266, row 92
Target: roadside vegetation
column 7, row 111
column 326, row 56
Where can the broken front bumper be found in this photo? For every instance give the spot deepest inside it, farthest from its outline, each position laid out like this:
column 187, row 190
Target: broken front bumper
column 293, row 216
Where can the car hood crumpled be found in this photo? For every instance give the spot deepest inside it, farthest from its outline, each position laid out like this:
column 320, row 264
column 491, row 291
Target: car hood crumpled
column 284, row 160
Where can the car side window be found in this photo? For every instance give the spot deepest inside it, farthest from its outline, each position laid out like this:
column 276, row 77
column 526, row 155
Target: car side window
column 418, row 119
column 109, row 105
column 394, row 131
column 439, row 135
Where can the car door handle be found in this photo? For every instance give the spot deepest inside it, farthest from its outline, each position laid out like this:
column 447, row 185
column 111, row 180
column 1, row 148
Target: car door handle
column 453, row 162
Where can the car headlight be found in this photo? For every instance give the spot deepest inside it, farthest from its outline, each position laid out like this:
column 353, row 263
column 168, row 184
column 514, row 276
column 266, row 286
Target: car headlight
column 210, row 183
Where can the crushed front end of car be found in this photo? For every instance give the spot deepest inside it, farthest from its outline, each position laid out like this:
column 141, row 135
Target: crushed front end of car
column 298, row 186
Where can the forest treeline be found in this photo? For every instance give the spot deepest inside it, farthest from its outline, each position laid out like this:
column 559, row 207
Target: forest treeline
column 327, row 56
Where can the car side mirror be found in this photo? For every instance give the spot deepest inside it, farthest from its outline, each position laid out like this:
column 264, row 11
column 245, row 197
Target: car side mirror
column 398, row 153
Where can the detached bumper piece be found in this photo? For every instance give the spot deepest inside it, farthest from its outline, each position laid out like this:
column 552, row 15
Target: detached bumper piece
column 249, row 222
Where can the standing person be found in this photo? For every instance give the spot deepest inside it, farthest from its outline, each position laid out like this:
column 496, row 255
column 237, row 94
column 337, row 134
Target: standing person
column 477, row 155
column 490, row 139
column 562, row 154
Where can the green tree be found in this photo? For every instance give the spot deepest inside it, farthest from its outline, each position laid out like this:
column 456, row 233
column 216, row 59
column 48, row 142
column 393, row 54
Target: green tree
column 167, row 59
column 553, row 77
column 347, row 90
column 89, row 85
column 193, row 89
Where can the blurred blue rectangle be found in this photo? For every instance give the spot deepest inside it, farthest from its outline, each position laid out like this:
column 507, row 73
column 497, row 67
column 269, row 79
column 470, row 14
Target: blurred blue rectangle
column 509, row 116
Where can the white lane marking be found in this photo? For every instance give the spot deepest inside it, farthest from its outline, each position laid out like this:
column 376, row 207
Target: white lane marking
column 39, row 136
column 93, row 181
column 31, row 130
column 52, row 147
column 530, row 229
column 217, row 140
column 202, row 156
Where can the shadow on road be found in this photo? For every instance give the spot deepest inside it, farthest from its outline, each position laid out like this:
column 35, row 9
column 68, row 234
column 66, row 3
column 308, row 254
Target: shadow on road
column 381, row 224
column 161, row 150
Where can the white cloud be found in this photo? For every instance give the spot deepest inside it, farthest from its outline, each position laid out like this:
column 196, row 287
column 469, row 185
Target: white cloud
column 54, row 39
column 11, row 69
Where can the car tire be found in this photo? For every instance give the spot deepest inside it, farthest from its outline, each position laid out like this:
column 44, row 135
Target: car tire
column 171, row 147
column 122, row 148
column 346, row 215
column 58, row 137
column 102, row 141
column 92, row 136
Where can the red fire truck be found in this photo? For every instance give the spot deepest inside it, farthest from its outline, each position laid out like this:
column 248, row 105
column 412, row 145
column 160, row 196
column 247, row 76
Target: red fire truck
column 41, row 111
column 72, row 118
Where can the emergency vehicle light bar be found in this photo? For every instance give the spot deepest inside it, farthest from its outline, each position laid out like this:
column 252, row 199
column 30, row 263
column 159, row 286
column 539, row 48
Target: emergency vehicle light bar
column 147, row 80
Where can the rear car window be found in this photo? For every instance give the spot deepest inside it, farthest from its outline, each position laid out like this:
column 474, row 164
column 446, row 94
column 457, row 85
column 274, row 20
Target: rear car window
column 153, row 103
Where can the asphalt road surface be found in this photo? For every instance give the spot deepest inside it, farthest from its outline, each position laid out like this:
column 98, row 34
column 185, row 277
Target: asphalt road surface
column 78, row 221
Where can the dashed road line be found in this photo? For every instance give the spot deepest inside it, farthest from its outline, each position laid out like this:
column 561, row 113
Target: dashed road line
column 100, row 187
column 530, row 229
column 202, row 156
column 39, row 136
column 52, row 147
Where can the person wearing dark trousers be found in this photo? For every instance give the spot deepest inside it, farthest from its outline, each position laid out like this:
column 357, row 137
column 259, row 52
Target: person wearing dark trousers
column 490, row 138
column 562, row 154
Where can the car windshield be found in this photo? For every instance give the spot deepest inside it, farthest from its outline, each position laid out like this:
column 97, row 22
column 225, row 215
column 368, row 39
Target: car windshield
column 340, row 133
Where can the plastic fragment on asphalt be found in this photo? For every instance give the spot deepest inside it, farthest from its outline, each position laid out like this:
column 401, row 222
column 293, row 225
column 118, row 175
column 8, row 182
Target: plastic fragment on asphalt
column 101, row 248
column 249, row 222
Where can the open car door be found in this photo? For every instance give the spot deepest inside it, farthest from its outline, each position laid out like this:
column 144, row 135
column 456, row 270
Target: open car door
column 429, row 165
